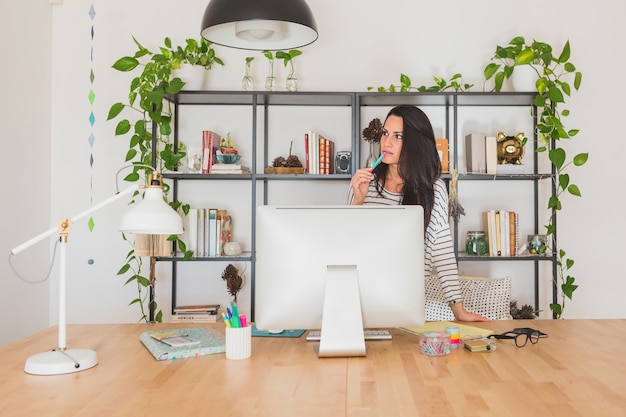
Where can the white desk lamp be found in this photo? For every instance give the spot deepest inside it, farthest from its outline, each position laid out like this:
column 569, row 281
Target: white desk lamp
column 150, row 216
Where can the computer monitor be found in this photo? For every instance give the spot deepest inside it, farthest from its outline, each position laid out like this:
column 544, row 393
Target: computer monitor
column 341, row 269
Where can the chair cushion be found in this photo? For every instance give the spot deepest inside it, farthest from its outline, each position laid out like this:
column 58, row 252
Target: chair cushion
column 489, row 297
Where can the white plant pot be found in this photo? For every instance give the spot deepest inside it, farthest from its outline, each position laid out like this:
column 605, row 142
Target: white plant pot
column 524, row 78
column 194, row 76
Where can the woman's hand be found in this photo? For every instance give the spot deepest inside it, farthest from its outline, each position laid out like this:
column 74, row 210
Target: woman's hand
column 460, row 314
column 360, row 183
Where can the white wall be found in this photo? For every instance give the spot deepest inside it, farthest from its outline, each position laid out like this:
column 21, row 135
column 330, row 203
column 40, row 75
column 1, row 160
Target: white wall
column 26, row 49
column 361, row 44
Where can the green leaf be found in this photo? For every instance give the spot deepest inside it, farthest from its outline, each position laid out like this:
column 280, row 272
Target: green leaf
column 563, row 181
column 122, row 127
column 581, row 158
column 569, row 287
column 557, row 157
column 527, row 56
column 405, row 80
column 578, row 78
column 159, row 317
column 123, row 269
column 490, row 70
column 115, row 110
column 573, row 190
column 556, row 309
column 565, row 53
column 126, row 64
column 499, row 81
column 554, row 203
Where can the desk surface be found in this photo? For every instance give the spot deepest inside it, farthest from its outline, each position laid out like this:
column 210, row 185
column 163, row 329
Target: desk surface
column 579, row 370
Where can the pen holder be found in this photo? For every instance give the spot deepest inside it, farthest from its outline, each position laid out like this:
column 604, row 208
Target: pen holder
column 238, row 342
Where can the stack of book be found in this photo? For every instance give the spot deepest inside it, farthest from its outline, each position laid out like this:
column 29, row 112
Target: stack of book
column 320, row 153
column 209, row 230
column 502, row 230
column 202, row 313
column 230, row 169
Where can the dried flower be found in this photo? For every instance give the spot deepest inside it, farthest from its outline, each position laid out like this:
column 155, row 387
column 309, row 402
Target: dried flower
column 234, row 282
column 373, row 131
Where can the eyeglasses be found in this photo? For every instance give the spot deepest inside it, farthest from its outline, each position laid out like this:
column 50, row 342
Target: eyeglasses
column 521, row 336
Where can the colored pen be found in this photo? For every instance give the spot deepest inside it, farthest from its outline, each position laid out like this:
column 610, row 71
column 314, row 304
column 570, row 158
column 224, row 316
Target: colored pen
column 379, row 160
column 235, row 318
column 243, row 321
column 226, row 321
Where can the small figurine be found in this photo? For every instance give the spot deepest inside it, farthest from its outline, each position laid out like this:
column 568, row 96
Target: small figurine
column 510, row 148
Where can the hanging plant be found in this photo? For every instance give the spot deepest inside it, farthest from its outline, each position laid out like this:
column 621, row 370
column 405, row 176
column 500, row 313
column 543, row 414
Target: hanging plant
column 553, row 84
column 146, row 100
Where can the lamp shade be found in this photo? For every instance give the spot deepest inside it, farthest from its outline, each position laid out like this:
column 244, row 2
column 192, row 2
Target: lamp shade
column 152, row 216
column 259, row 24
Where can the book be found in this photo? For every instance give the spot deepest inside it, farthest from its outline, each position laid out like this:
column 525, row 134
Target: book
column 475, row 153
column 175, row 339
column 195, row 318
column 210, row 340
column 200, row 233
column 197, row 308
column 444, row 152
column 512, row 233
column 208, row 139
column 491, row 155
column 192, row 230
column 225, row 167
column 243, row 170
column 212, row 232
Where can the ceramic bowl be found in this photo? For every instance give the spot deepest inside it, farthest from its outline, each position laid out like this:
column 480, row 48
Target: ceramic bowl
column 228, row 158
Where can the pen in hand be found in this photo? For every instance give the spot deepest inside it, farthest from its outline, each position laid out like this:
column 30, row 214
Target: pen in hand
column 379, row 160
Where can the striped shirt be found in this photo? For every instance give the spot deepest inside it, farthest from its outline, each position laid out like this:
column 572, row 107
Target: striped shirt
column 439, row 259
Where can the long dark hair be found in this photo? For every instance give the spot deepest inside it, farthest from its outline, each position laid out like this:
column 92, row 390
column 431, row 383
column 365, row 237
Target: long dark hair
column 419, row 165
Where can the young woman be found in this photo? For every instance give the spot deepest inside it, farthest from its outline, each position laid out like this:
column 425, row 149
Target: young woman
column 409, row 175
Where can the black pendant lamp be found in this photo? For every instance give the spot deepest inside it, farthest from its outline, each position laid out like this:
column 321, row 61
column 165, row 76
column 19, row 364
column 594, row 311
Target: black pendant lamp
column 259, row 24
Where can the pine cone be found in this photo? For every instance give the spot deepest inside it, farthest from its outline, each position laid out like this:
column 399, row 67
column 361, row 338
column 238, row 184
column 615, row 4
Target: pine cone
column 233, row 280
column 373, row 131
column 293, row 161
column 279, row 161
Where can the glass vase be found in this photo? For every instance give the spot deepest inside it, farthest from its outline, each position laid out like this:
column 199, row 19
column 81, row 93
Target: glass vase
column 247, row 83
column 270, row 83
column 292, row 83
column 371, row 158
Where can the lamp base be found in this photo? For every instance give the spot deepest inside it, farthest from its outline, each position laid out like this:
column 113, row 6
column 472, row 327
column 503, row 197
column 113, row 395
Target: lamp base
column 57, row 362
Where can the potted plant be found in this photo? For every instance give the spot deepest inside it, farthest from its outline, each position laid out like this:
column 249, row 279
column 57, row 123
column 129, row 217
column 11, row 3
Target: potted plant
column 146, row 100
column 287, row 57
column 554, row 73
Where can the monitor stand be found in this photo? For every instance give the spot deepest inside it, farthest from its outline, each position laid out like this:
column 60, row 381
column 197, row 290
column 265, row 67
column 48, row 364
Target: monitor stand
column 342, row 331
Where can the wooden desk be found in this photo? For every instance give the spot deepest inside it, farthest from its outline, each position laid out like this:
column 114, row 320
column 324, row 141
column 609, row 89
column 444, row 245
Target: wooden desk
column 579, row 370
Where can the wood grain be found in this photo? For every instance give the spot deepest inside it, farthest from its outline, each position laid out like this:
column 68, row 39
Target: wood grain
column 578, row 370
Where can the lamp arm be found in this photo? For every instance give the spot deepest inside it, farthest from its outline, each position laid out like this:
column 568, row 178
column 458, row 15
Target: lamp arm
column 77, row 217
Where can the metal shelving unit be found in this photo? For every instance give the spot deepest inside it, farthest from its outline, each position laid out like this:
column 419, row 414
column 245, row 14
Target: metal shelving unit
column 261, row 101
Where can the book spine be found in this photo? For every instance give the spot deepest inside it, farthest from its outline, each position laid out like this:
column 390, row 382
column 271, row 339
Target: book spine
column 206, row 152
column 200, row 232
column 512, row 233
column 194, row 318
column 491, row 155
column 498, row 226
column 444, row 154
column 307, row 153
column 205, row 232
column 212, row 232
column 192, row 228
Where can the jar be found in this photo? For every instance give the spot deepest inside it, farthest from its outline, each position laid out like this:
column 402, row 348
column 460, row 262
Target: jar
column 435, row 343
column 476, row 244
column 537, row 244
